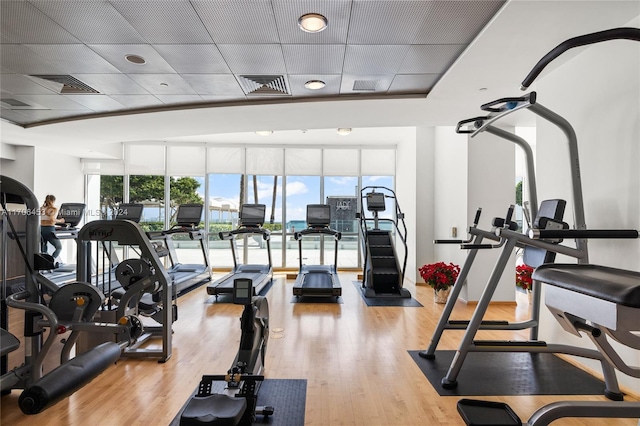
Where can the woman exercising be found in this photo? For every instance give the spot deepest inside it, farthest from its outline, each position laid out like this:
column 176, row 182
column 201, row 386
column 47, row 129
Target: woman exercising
column 48, row 220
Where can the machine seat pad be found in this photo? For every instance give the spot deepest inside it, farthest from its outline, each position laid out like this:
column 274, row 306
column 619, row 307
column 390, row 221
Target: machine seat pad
column 216, row 409
column 619, row 286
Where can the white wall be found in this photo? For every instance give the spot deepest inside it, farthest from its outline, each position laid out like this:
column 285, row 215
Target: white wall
column 406, row 187
column 598, row 92
column 21, row 168
column 424, row 196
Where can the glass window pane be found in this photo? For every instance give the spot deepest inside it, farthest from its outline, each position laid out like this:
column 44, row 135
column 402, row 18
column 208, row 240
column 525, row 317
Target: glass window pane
column 267, row 190
column 149, row 191
column 301, row 191
column 224, row 204
column 341, row 192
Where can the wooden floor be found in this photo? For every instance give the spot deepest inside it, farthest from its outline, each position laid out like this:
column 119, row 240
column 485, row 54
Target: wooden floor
column 353, row 357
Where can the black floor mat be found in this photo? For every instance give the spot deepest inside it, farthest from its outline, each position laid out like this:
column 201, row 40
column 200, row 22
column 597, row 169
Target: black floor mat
column 514, row 373
column 287, row 397
column 386, row 301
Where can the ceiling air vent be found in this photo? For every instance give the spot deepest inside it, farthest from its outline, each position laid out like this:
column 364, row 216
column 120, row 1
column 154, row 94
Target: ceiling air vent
column 365, row 85
column 268, row 85
column 66, row 84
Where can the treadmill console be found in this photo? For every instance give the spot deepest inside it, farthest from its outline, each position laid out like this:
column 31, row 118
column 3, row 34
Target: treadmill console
column 71, row 213
column 130, row 211
column 252, row 215
column 242, row 289
column 189, row 215
column 375, row 202
column 318, row 215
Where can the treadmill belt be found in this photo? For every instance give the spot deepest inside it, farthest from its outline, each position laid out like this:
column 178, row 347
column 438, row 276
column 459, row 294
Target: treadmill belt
column 317, row 280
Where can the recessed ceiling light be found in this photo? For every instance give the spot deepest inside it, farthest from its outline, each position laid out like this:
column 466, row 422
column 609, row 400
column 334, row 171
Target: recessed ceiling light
column 264, row 132
column 312, row 22
column 344, row 131
column 315, row 84
column 135, row 59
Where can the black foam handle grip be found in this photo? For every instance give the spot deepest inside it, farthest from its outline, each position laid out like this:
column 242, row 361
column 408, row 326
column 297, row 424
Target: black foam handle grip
column 448, row 241
column 476, row 246
column 597, row 37
column 587, row 233
column 476, row 220
column 68, row 378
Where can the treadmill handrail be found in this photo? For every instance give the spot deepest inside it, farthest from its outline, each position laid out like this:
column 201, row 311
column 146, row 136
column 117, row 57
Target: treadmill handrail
column 227, row 235
column 318, row 230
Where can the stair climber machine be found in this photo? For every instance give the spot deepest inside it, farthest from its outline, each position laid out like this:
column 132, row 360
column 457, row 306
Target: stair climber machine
column 185, row 277
column 318, row 280
column 236, row 402
column 50, row 312
column 597, row 301
column 383, row 275
column 251, row 220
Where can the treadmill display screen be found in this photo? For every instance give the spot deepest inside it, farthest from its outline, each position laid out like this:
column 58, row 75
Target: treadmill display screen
column 189, row 214
column 71, row 213
column 375, row 202
column 318, row 215
column 132, row 212
column 242, row 291
column 252, row 214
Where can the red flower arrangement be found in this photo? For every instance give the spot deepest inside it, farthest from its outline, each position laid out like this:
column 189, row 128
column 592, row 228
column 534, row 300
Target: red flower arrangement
column 439, row 275
column 523, row 277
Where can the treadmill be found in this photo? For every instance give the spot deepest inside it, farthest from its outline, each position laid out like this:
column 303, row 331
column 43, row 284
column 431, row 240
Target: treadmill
column 251, row 220
column 72, row 214
column 318, row 280
column 185, row 276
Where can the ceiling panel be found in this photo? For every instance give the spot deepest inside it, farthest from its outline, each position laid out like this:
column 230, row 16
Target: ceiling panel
column 96, row 103
column 254, row 58
column 115, row 54
column 314, row 58
column 164, row 22
column 73, row 58
column 430, row 59
column 332, row 87
column 386, row 22
column 338, row 14
column 91, row 21
column 455, row 22
column 413, row 83
column 193, row 58
column 111, row 84
column 367, row 59
column 233, row 21
column 163, row 84
column 21, row 85
column 220, row 50
column 40, row 29
column 52, row 102
column 217, row 84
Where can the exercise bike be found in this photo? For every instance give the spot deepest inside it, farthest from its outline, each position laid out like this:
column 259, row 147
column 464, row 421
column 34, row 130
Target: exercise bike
column 237, row 403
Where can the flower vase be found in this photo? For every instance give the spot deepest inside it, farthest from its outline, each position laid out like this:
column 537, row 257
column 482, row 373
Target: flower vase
column 441, row 295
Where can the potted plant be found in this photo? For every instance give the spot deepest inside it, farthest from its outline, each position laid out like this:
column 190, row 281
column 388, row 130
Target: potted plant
column 441, row 276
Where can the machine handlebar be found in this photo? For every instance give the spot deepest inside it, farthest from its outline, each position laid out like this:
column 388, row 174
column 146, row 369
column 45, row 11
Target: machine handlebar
column 597, row 37
column 537, row 234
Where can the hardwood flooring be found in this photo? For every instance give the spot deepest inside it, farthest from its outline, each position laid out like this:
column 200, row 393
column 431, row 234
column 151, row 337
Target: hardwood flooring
column 353, row 357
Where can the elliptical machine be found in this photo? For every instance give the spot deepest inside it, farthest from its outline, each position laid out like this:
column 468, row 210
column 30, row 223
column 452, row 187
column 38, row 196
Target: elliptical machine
column 237, row 403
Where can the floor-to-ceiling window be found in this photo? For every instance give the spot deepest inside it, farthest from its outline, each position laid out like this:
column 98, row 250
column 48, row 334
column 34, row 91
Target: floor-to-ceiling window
column 222, row 178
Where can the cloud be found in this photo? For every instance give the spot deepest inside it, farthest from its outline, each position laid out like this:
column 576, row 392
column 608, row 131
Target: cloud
column 296, row 188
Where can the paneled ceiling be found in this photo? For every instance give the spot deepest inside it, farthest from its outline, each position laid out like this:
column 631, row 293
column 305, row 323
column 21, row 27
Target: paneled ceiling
column 66, row 59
